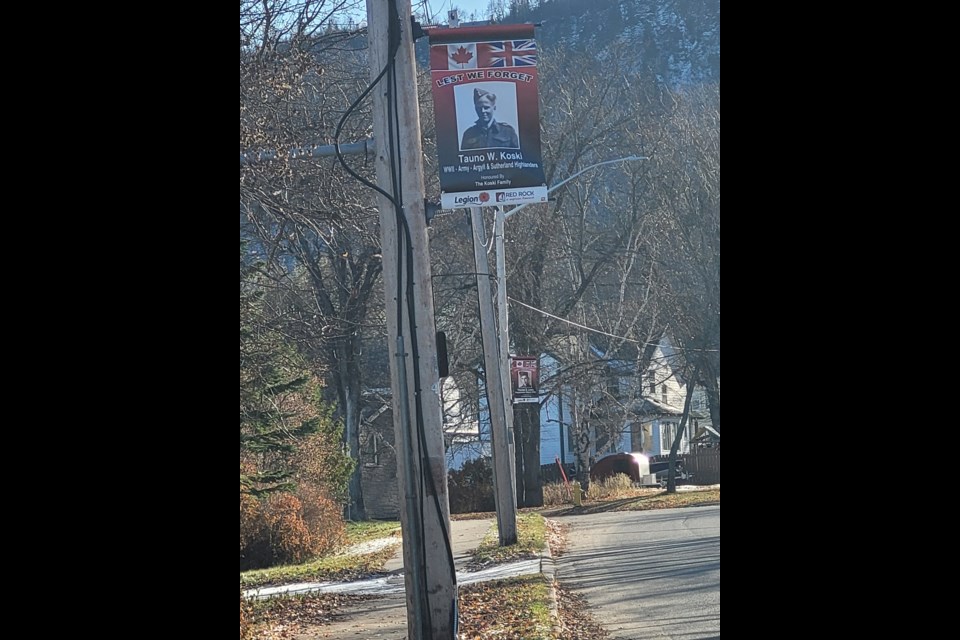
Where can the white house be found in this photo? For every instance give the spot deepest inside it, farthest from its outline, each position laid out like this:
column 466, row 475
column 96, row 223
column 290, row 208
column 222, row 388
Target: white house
column 462, row 436
column 649, row 423
column 647, row 419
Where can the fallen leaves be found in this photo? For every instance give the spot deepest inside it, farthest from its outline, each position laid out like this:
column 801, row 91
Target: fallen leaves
column 556, row 537
column 485, row 614
column 576, row 623
column 531, row 540
column 281, row 618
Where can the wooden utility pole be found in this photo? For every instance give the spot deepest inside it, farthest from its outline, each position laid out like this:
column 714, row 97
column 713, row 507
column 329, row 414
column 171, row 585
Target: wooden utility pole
column 503, row 473
column 430, row 579
column 503, row 323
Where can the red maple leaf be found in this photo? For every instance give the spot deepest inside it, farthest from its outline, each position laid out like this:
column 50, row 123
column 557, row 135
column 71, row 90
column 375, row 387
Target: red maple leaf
column 484, row 196
column 462, row 56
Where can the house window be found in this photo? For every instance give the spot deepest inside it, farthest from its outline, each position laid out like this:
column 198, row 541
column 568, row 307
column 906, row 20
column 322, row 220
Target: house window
column 666, row 436
column 652, row 381
column 663, row 393
column 374, row 449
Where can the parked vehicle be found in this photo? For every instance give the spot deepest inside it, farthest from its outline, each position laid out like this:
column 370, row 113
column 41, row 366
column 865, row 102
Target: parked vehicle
column 662, row 469
column 635, row 466
column 632, row 465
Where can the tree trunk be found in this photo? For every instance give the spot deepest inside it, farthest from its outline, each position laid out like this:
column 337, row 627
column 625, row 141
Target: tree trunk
column 581, row 443
column 713, row 400
column 529, row 478
column 583, row 458
column 533, row 479
column 672, row 471
column 348, row 392
column 519, row 428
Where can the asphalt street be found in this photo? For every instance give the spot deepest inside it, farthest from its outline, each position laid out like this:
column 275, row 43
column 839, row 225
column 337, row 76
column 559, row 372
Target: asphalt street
column 647, row 574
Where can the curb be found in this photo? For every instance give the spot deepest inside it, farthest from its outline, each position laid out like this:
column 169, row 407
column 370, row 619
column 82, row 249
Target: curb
column 548, row 568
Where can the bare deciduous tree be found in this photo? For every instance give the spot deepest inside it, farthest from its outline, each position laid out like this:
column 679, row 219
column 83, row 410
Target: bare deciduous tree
column 313, row 224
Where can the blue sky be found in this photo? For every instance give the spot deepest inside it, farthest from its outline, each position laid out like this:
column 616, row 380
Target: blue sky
column 439, row 8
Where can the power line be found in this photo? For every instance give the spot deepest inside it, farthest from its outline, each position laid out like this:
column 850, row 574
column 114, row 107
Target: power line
column 582, row 326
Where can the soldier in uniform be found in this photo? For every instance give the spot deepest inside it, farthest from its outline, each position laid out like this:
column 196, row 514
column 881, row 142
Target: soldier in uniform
column 488, row 132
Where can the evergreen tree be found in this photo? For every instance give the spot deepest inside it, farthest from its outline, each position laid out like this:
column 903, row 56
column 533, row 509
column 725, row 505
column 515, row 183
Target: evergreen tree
column 274, row 403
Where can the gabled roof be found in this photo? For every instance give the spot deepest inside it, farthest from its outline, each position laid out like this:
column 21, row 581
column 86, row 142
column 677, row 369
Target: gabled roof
column 650, row 408
column 629, row 353
column 707, row 433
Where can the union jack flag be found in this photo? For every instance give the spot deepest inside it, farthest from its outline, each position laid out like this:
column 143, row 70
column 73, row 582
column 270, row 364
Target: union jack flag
column 509, row 53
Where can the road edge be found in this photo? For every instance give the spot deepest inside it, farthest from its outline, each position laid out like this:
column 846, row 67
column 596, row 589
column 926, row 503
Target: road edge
column 548, row 568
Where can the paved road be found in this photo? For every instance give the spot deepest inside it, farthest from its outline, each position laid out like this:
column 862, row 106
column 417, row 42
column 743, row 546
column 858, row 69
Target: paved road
column 647, row 574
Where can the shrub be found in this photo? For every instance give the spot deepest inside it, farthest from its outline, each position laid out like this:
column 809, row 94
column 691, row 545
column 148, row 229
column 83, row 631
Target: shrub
column 616, row 486
column 254, row 537
column 323, row 518
column 471, row 488
column 320, row 459
column 289, row 537
column 246, row 618
column 286, row 528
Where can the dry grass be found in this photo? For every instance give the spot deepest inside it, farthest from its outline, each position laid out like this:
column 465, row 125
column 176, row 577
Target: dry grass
column 618, row 486
column 642, row 500
column 555, row 494
column 531, row 540
column 615, row 487
column 351, row 567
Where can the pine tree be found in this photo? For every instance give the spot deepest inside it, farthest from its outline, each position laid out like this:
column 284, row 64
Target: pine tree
column 272, row 376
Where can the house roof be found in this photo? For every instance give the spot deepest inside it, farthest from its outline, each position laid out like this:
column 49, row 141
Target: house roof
column 707, row 432
column 650, row 408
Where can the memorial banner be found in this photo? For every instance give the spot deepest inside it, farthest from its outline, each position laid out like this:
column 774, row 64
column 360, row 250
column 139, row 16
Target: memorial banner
column 487, row 115
column 525, row 379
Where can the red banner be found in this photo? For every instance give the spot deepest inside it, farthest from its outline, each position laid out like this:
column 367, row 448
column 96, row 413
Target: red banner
column 487, row 115
column 525, row 379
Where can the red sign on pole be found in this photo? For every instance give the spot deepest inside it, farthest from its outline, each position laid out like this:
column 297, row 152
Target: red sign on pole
column 487, row 114
column 525, row 379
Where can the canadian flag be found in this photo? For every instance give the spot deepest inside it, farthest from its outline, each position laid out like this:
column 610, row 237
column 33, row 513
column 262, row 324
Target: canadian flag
column 449, row 57
column 474, row 55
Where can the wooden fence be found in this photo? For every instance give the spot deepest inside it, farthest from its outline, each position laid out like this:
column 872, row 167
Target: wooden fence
column 704, row 464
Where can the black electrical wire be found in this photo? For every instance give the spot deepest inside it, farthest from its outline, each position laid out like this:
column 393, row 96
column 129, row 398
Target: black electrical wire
column 393, row 45
column 411, row 308
column 343, row 119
